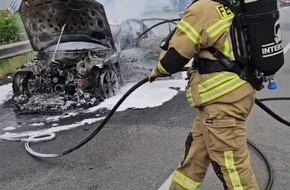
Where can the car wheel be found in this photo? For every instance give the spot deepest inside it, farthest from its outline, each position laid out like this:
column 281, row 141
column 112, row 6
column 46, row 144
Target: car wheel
column 108, row 82
column 21, row 83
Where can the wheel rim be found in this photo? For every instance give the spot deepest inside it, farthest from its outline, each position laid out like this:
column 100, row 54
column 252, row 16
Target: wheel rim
column 19, row 81
column 23, row 83
column 109, row 83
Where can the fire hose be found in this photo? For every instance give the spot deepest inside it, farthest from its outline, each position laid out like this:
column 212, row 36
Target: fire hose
column 136, row 86
column 49, row 136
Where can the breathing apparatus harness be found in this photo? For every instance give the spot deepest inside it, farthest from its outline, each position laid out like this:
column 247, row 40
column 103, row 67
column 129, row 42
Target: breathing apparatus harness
column 44, row 137
column 256, row 40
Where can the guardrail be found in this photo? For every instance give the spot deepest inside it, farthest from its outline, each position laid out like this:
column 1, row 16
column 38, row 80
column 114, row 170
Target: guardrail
column 11, row 50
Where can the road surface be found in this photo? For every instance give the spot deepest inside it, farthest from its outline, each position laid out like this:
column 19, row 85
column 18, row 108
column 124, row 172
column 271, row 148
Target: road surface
column 140, row 147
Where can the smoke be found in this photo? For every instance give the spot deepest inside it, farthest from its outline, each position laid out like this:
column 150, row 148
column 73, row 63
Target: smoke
column 124, row 9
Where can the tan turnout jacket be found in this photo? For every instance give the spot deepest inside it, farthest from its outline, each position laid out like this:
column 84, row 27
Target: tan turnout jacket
column 206, row 24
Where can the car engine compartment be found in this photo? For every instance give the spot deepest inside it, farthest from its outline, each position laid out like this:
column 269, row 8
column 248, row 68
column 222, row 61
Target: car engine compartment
column 78, row 79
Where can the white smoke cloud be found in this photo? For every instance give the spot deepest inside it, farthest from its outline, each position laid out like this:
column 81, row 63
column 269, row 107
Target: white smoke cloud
column 124, row 9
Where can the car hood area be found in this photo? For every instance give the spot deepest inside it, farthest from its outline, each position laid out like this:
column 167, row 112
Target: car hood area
column 80, row 20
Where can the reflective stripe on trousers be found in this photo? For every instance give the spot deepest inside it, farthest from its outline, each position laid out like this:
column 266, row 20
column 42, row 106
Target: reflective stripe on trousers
column 219, row 136
column 232, row 170
column 184, row 181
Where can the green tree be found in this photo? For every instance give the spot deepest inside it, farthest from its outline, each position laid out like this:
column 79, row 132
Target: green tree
column 11, row 28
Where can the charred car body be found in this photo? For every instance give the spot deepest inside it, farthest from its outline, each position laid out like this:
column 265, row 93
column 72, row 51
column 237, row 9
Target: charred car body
column 76, row 59
column 80, row 55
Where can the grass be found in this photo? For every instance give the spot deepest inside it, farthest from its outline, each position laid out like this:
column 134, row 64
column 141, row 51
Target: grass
column 8, row 66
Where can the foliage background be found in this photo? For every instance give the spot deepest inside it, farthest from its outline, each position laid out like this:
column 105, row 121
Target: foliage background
column 11, row 28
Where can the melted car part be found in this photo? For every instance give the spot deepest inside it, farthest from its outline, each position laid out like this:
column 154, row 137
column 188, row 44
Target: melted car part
column 86, row 21
column 57, row 45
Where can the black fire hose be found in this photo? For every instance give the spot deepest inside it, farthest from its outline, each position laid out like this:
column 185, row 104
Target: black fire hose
column 50, row 136
column 269, row 111
column 95, row 132
column 145, row 80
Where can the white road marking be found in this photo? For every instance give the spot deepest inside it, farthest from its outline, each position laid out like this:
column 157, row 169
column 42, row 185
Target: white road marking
column 166, row 184
column 286, row 48
column 283, row 8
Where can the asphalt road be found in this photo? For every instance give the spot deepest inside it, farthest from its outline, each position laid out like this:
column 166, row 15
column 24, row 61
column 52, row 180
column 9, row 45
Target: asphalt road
column 139, row 149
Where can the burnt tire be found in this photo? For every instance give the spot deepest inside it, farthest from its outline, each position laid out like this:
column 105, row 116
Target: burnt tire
column 20, row 82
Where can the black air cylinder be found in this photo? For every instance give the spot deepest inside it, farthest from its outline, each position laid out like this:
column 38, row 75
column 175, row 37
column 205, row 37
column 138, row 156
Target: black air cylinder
column 261, row 21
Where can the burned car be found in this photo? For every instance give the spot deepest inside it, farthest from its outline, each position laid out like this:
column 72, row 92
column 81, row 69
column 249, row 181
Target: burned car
column 76, row 62
column 80, row 55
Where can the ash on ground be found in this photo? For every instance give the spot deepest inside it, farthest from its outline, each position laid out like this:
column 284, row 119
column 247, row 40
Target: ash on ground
column 135, row 64
column 54, row 103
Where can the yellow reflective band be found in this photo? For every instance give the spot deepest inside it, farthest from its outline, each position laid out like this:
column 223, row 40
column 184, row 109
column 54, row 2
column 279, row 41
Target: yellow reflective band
column 191, row 33
column 184, row 181
column 219, row 26
column 232, row 170
column 189, row 97
column 232, row 56
column 228, row 51
column 223, row 89
column 227, row 48
column 161, row 69
column 216, row 81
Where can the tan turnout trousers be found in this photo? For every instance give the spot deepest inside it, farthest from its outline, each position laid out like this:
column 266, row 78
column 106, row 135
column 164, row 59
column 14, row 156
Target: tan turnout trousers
column 218, row 137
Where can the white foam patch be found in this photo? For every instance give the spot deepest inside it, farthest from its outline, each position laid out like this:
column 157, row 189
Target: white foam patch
column 53, row 119
column 37, row 124
column 147, row 96
column 9, row 128
column 67, row 115
column 5, row 92
column 27, row 134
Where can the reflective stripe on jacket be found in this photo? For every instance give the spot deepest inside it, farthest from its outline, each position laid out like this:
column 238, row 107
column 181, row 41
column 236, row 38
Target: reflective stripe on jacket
column 213, row 88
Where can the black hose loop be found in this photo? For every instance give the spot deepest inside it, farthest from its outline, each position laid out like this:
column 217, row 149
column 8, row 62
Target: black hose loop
column 111, row 113
column 95, row 132
column 267, row 162
column 269, row 111
column 108, row 117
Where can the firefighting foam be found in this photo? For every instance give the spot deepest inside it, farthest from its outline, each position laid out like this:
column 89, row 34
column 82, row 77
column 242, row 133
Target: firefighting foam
column 162, row 91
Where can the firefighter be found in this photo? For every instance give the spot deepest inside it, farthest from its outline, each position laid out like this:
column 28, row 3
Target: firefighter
column 223, row 100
